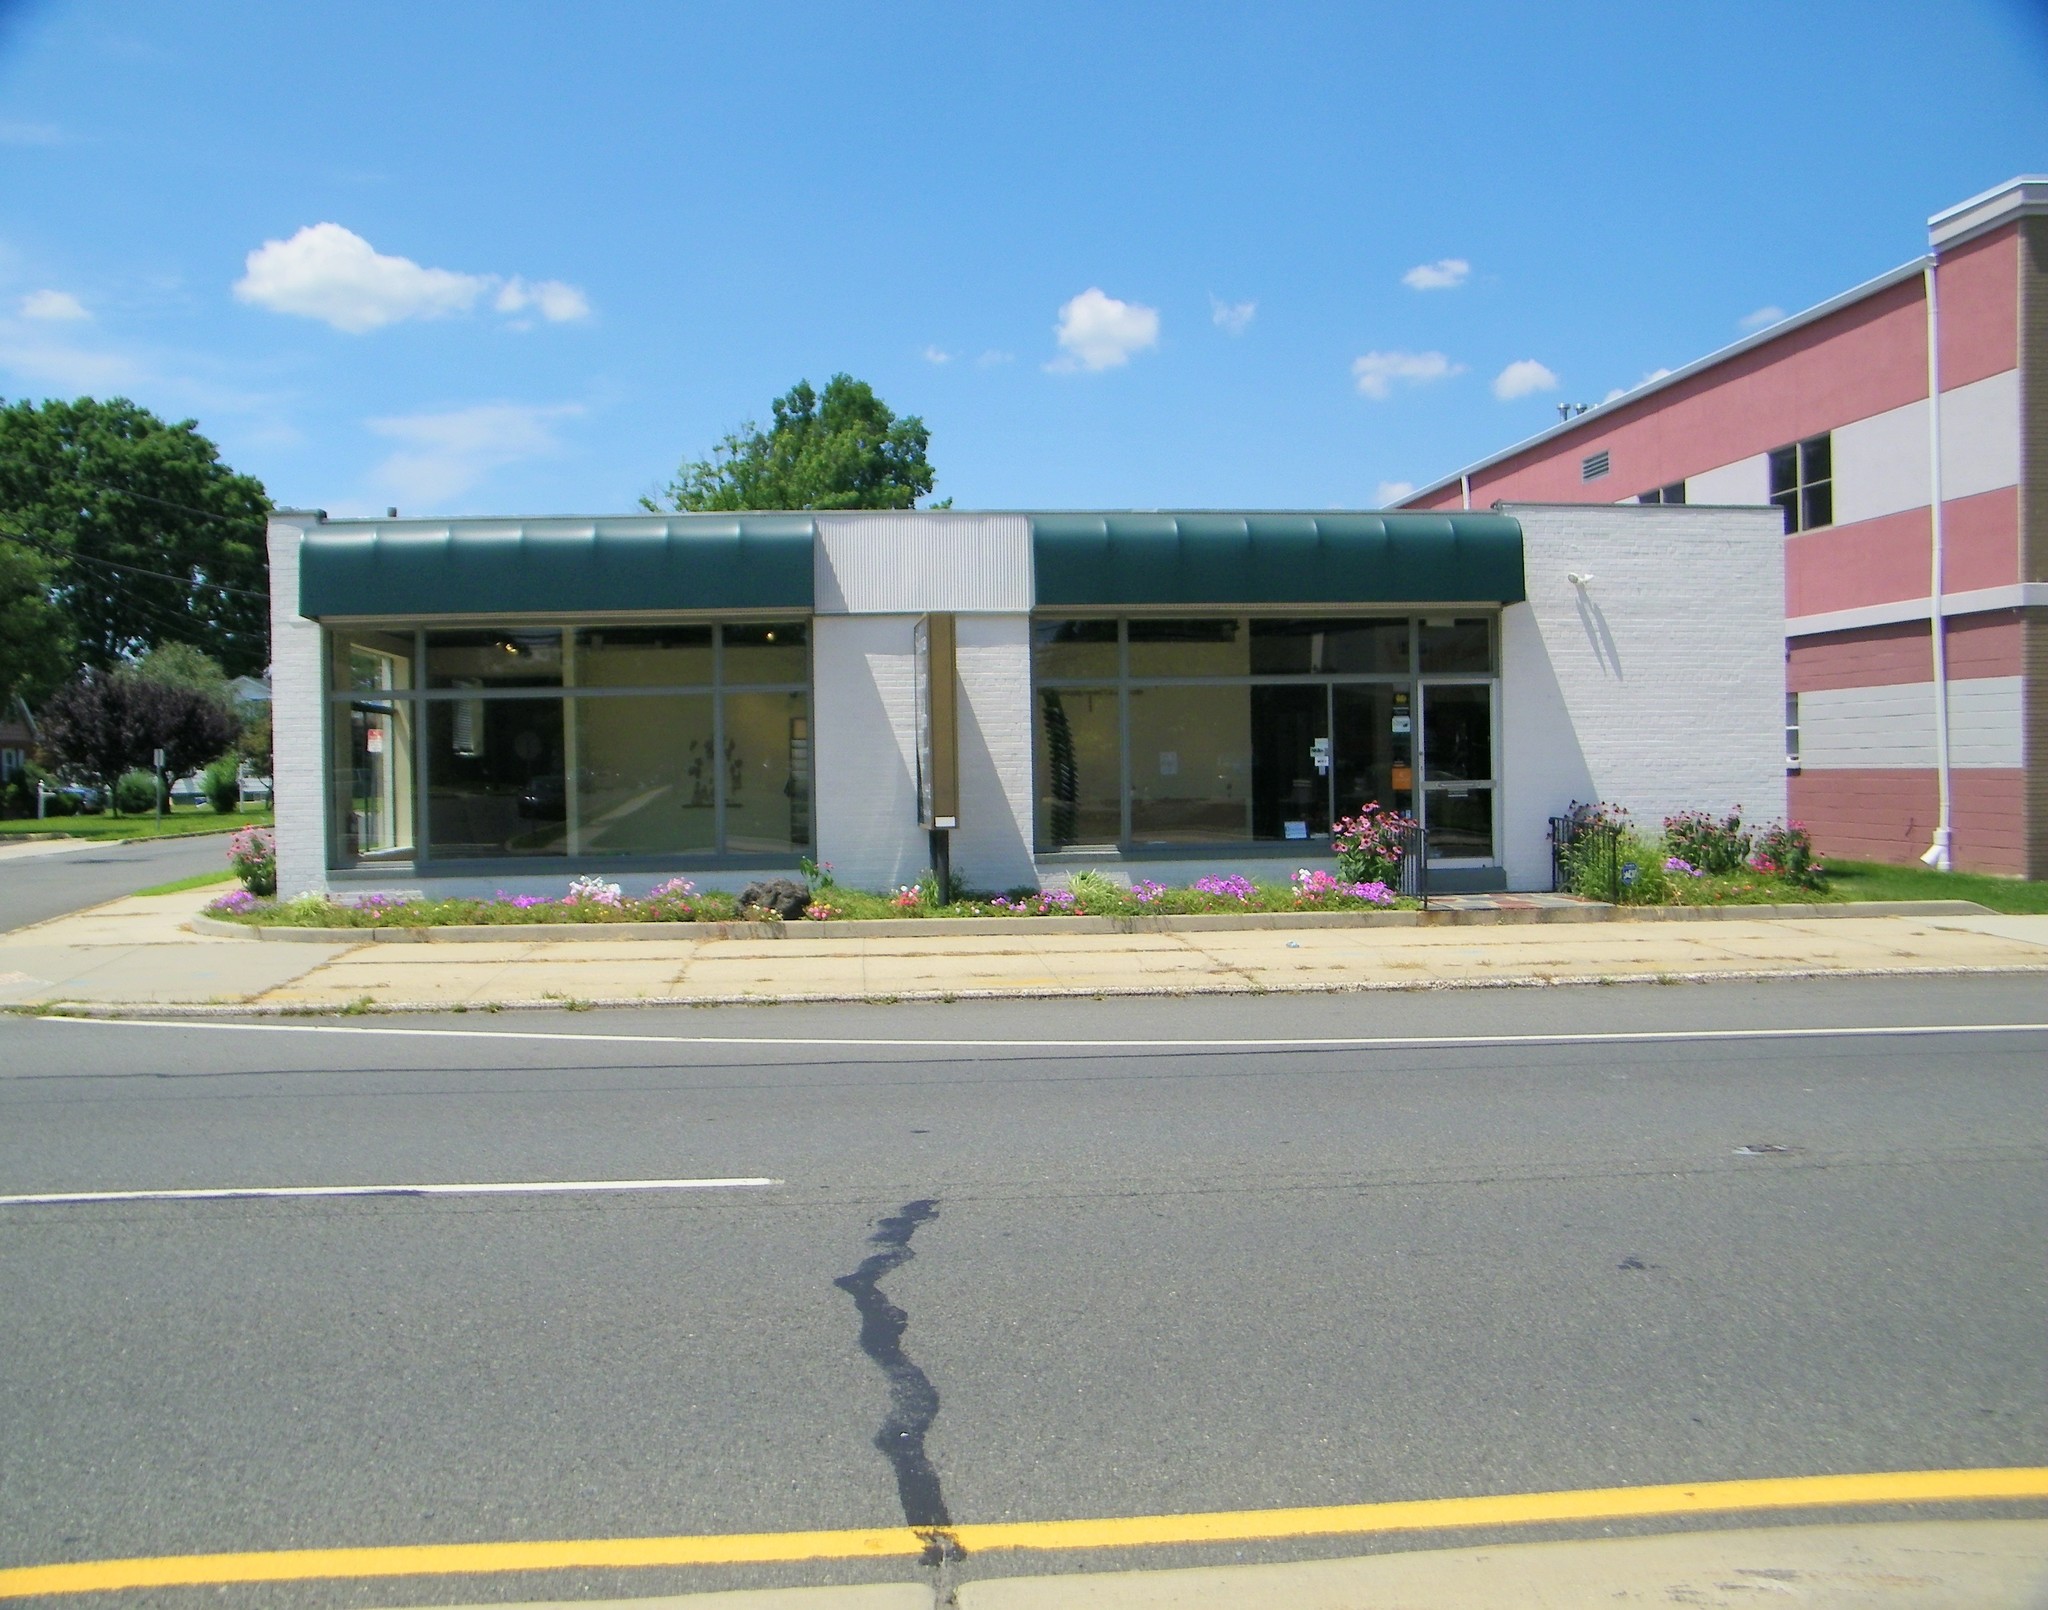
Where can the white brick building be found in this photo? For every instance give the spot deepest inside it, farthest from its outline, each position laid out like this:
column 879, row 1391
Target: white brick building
column 478, row 705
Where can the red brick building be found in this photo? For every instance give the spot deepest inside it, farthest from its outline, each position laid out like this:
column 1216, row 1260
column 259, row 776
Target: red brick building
column 1916, row 666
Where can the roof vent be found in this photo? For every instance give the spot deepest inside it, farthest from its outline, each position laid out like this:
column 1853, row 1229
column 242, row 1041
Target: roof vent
column 1594, row 465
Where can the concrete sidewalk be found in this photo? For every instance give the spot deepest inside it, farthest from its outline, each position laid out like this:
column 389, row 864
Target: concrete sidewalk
column 1911, row 1565
column 141, row 953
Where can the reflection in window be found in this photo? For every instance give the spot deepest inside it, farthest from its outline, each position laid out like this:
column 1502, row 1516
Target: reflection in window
column 1191, row 761
column 1457, row 645
column 1457, row 733
column 776, row 652
column 494, row 659
column 1078, row 648
column 766, row 769
column 643, row 657
column 496, row 780
column 1214, row 647
column 1079, row 767
column 645, row 775
column 1341, row 647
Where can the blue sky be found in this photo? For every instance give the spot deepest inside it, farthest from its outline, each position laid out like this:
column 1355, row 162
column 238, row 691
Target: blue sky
column 1114, row 255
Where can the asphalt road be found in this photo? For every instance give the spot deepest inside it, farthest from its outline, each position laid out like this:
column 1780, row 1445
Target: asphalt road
column 35, row 888
column 1147, row 1278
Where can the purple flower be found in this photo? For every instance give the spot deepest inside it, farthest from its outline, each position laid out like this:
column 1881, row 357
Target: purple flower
column 1145, row 891
column 1234, row 888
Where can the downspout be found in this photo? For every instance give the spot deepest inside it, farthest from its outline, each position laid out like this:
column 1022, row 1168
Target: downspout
column 1937, row 854
column 1465, row 489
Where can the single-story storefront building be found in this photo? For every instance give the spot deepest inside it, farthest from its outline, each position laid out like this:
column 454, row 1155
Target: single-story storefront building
column 473, row 705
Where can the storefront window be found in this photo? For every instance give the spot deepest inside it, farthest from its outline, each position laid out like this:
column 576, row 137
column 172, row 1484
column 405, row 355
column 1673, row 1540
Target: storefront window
column 494, row 659
column 1461, row 645
column 1079, row 648
column 767, row 772
column 1262, row 729
column 643, row 657
column 1189, row 648
column 497, row 786
column 601, row 741
column 778, row 652
column 644, row 775
column 1079, row 767
column 1314, row 647
column 1191, row 764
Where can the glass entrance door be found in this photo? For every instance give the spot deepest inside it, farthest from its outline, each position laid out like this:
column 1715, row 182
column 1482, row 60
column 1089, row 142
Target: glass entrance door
column 1457, row 770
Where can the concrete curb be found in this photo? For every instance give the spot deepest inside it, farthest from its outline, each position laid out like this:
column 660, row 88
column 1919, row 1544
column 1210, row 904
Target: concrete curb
column 983, row 927
column 558, row 1003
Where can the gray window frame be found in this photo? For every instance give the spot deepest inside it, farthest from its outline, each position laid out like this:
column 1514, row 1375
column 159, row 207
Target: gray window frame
column 1415, row 680
column 423, row 862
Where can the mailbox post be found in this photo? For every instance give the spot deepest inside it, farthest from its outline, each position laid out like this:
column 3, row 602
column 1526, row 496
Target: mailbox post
column 938, row 741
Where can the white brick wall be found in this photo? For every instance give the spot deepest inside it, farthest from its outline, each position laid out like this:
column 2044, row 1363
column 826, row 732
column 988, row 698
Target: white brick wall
column 864, row 713
column 298, row 718
column 993, row 846
column 1658, row 686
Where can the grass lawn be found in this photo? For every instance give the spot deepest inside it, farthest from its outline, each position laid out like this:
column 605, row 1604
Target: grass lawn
column 178, row 823
column 198, row 880
column 1874, row 880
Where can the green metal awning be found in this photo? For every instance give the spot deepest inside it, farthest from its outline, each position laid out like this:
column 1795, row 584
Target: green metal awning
column 1089, row 560
column 546, row 567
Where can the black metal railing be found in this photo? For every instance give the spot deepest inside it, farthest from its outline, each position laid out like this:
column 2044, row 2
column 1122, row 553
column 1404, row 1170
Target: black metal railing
column 1585, row 857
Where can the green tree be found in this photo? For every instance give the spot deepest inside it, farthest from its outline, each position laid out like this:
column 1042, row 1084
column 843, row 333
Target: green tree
column 844, row 449
column 36, row 644
column 146, row 536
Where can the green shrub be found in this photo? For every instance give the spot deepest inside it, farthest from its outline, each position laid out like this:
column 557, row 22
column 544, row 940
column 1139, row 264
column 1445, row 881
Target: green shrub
column 224, row 783
column 138, row 793
column 53, row 805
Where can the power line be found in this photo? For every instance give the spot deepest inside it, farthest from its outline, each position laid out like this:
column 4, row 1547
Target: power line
column 73, row 556
column 130, row 492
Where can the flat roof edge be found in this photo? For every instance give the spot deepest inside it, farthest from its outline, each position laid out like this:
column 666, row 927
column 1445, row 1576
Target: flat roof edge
column 1597, row 413
column 2020, row 197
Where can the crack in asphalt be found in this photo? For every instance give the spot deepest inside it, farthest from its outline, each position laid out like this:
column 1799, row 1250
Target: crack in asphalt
column 913, row 1400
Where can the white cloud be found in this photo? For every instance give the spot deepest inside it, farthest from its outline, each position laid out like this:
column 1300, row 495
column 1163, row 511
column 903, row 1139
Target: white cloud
column 1392, row 492
column 1523, row 378
column 52, row 306
column 1376, row 372
column 994, row 356
column 1445, row 274
column 553, row 300
column 444, row 455
column 1623, row 391
column 332, row 274
column 72, row 369
column 1099, row 332
column 1761, row 317
column 14, row 133
column 937, row 355
column 1232, row 318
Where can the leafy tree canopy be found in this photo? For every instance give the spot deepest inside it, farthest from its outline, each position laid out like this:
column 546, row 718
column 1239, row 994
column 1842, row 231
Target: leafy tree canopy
column 101, row 724
column 119, row 532
column 844, row 449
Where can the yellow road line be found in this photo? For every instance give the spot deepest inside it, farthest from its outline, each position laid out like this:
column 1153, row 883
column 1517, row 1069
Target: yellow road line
column 1133, row 1531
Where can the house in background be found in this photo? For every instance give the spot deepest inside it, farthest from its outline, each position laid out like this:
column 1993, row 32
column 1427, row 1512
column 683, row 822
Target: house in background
column 1916, row 554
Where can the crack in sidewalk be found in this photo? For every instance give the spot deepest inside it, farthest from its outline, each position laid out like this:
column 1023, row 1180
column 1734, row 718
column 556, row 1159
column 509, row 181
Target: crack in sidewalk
column 913, row 1400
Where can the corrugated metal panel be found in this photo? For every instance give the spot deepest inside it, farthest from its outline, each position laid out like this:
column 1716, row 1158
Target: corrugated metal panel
column 1230, row 559
column 526, row 567
column 915, row 563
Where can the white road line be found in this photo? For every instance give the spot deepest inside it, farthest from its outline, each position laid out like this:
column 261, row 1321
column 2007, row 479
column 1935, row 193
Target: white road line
column 1318, row 1042
column 243, row 1193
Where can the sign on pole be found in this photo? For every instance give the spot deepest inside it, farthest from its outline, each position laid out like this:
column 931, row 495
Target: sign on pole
column 938, row 724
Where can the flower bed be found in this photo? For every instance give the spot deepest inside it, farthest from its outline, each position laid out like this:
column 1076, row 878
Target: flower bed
column 1698, row 860
column 591, row 900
